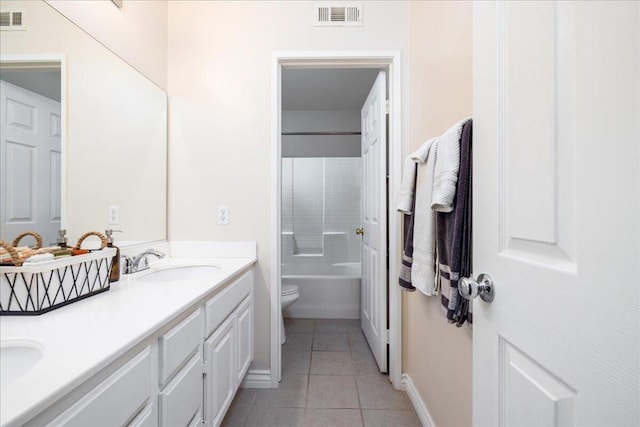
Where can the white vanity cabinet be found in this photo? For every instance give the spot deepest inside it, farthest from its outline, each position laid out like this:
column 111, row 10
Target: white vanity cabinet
column 186, row 373
column 222, row 360
column 228, row 350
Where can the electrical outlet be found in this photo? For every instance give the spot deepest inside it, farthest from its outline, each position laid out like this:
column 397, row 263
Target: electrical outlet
column 114, row 215
column 223, row 215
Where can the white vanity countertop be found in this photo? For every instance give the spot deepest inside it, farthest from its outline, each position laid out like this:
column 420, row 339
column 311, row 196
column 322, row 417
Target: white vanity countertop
column 84, row 337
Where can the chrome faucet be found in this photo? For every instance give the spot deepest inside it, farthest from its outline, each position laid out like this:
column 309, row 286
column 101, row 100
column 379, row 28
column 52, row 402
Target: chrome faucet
column 127, row 266
column 140, row 262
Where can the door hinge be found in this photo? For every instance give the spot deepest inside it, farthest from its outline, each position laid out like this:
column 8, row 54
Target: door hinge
column 387, row 336
column 387, row 106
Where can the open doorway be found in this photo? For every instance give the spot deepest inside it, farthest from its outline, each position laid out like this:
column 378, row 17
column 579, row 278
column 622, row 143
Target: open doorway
column 323, row 199
column 323, row 293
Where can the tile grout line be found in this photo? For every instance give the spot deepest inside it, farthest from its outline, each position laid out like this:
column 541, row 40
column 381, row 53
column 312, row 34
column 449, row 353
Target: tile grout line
column 251, row 405
column 306, row 399
column 351, row 347
column 356, row 382
column 350, row 351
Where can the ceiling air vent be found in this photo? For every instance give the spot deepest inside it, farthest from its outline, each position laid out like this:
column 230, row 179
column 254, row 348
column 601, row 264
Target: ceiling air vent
column 12, row 20
column 338, row 14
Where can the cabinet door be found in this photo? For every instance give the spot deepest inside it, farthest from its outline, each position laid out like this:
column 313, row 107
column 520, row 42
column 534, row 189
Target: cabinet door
column 220, row 381
column 244, row 334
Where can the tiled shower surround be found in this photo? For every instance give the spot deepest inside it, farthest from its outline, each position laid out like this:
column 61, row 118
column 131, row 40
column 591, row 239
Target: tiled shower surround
column 320, row 210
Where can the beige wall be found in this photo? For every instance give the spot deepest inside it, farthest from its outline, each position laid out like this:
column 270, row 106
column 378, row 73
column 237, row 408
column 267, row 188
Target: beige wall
column 218, row 74
column 220, row 60
column 137, row 32
column 436, row 355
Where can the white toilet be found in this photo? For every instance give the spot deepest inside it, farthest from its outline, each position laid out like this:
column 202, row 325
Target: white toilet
column 288, row 295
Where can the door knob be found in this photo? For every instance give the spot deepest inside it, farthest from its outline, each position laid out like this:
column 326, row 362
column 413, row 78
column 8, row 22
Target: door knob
column 359, row 231
column 470, row 288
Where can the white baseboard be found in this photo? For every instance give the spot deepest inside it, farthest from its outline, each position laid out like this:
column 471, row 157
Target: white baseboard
column 257, row 378
column 418, row 403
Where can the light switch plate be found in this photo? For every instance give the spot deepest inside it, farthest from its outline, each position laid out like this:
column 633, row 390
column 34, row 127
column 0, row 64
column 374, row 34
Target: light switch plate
column 223, row 215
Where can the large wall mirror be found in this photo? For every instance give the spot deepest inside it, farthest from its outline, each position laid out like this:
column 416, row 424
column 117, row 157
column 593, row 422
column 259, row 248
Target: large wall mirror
column 82, row 131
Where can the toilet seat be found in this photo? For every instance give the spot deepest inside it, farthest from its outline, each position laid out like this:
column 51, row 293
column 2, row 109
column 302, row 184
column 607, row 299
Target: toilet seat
column 289, row 289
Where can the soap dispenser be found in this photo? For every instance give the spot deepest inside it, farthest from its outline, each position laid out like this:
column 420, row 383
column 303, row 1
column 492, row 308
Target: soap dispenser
column 62, row 239
column 115, row 265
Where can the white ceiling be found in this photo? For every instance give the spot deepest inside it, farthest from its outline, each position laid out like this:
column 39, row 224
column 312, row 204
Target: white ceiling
column 326, row 89
column 44, row 82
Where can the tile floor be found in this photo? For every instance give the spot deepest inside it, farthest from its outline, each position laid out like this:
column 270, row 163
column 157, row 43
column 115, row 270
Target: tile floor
column 329, row 378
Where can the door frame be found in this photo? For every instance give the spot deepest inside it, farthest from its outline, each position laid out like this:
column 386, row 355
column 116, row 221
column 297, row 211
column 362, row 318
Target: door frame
column 390, row 61
column 46, row 61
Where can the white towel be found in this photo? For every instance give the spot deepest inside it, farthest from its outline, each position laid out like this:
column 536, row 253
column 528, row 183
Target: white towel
column 445, row 176
column 423, row 267
column 420, row 155
column 408, row 187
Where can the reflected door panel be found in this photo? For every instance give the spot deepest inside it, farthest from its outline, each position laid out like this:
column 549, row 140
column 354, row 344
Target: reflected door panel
column 30, row 149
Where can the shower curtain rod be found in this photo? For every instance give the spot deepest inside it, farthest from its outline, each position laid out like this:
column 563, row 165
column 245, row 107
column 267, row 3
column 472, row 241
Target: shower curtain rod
column 319, row 133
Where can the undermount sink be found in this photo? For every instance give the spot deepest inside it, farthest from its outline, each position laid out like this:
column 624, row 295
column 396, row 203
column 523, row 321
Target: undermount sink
column 17, row 357
column 186, row 272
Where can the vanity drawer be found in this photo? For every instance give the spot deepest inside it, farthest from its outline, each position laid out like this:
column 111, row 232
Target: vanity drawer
column 196, row 421
column 144, row 418
column 116, row 399
column 181, row 399
column 222, row 305
column 178, row 344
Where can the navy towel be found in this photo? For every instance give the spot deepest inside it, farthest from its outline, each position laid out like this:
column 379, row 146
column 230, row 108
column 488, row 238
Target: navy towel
column 454, row 237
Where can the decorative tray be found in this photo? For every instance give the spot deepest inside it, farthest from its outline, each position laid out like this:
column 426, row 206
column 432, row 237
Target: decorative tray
column 37, row 289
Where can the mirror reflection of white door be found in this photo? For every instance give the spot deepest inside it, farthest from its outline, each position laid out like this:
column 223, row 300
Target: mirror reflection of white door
column 373, row 310
column 556, row 213
column 30, row 151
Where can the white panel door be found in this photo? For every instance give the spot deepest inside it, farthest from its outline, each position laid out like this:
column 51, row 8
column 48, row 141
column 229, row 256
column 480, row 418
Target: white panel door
column 30, row 161
column 556, row 213
column 373, row 310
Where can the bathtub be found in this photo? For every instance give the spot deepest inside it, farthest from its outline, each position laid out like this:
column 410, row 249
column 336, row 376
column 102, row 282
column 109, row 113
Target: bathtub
column 326, row 291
